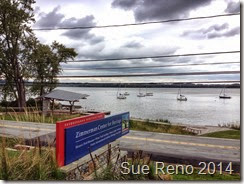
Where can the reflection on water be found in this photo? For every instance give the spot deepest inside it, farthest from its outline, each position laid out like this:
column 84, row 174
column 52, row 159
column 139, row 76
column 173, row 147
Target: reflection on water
column 203, row 106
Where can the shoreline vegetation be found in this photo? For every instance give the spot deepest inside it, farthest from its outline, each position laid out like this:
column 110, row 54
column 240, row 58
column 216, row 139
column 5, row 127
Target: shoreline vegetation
column 141, row 85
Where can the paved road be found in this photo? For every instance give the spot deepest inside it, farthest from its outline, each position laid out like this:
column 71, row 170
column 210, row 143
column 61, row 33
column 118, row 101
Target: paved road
column 167, row 147
column 29, row 131
column 183, row 149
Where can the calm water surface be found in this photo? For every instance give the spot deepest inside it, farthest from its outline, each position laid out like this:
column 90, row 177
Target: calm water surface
column 203, row 106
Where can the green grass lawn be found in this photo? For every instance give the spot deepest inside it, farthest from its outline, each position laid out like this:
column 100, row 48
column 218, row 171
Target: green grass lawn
column 161, row 128
column 227, row 134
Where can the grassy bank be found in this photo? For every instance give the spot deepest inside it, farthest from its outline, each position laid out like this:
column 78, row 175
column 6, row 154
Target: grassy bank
column 227, row 134
column 161, row 128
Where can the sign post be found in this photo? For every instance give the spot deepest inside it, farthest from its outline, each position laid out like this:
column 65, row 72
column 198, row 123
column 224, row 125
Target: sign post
column 81, row 139
column 60, row 132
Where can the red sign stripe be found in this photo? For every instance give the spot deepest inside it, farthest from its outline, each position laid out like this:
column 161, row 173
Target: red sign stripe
column 62, row 125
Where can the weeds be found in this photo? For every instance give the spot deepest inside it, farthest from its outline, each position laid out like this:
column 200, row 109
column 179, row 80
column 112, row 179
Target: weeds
column 34, row 115
column 137, row 159
column 163, row 120
column 37, row 164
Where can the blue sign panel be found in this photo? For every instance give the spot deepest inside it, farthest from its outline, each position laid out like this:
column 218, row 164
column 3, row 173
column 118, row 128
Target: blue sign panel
column 81, row 139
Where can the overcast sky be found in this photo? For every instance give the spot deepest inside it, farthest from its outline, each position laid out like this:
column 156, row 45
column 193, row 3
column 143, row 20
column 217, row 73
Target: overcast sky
column 194, row 36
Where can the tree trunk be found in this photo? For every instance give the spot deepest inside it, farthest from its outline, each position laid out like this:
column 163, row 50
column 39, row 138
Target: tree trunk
column 21, row 94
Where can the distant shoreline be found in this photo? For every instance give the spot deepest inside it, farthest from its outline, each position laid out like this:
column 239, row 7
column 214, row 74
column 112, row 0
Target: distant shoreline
column 145, row 85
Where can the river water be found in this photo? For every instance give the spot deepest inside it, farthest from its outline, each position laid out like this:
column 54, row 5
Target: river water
column 203, row 106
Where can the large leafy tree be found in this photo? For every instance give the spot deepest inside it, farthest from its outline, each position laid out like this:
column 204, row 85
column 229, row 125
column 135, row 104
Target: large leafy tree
column 22, row 57
column 47, row 65
column 16, row 45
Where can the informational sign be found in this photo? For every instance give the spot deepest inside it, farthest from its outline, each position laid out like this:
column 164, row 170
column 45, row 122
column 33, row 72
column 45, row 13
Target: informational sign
column 82, row 139
column 60, row 132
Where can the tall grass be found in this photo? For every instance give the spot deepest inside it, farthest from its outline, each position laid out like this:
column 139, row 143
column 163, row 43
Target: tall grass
column 34, row 115
column 36, row 164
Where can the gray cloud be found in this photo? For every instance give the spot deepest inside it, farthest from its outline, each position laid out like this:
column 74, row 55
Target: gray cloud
column 37, row 10
column 159, row 9
column 96, row 39
column 132, row 44
column 233, row 7
column 229, row 33
column 202, row 32
column 78, row 33
column 50, row 19
column 101, row 52
column 216, row 27
column 212, row 32
column 98, row 52
column 55, row 19
column 125, row 4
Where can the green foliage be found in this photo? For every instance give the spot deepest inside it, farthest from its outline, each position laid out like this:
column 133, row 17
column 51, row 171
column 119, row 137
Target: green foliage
column 16, row 45
column 46, row 66
column 5, row 103
column 163, row 120
column 161, row 128
column 23, row 57
column 32, row 103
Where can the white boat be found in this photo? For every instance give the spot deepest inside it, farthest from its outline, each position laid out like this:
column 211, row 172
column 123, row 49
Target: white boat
column 120, row 95
column 181, row 97
column 224, row 95
column 126, row 93
column 140, row 94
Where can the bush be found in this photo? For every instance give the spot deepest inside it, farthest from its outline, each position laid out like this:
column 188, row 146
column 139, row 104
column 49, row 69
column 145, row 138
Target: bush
column 31, row 102
column 5, row 103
